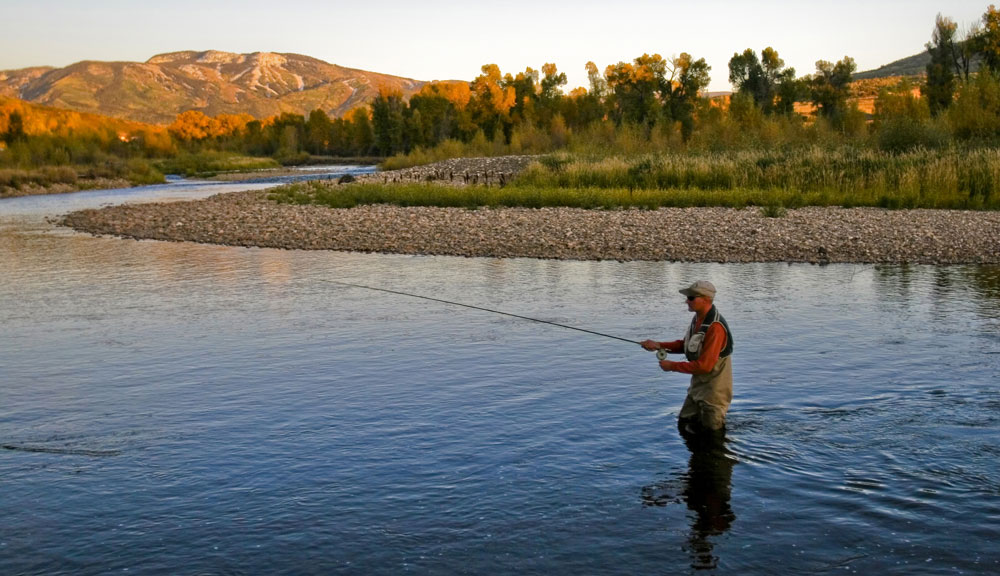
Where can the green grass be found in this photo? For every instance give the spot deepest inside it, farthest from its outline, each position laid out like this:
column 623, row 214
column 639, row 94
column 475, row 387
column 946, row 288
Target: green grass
column 210, row 163
column 775, row 180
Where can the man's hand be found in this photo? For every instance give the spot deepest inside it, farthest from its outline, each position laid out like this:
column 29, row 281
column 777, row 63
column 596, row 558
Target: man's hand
column 667, row 365
column 650, row 344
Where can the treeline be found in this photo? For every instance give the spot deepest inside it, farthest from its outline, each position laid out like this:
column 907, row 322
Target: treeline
column 651, row 104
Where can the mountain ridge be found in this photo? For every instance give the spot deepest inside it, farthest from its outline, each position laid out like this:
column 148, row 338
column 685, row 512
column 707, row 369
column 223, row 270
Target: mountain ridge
column 262, row 84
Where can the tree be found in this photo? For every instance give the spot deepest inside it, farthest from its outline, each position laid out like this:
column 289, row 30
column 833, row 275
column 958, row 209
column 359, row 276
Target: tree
column 550, row 97
column 526, row 95
column 940, row 76
column 491, row 102
column 988, row 39
column 552, row 82
column 388, row 122
column 432, row 119
column 747, row 76
column 192, row 125
column 687, row 79
column 635, row 89
column 319, row 132
column 766, row 80
column 362, row 133
column 829, row 87
column 15, row 128
column 598, row 85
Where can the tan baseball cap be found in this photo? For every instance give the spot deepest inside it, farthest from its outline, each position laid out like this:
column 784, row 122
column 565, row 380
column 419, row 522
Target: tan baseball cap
column 700, row 288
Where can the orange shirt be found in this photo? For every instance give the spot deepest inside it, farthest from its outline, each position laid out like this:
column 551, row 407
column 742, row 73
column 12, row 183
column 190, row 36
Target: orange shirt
column 715, row 341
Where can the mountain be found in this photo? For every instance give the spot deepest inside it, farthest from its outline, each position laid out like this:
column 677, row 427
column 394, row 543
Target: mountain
column 262, row 84
column 915, row 65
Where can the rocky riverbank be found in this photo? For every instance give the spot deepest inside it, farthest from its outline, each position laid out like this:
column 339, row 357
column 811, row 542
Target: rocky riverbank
column 817, row 235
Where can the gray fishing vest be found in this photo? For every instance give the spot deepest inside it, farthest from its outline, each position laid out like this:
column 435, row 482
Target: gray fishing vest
column 695, row 338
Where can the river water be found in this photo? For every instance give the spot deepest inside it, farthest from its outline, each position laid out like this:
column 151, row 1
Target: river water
column 173, row 408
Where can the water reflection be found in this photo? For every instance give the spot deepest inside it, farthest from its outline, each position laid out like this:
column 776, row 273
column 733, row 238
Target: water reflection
column 706, row 490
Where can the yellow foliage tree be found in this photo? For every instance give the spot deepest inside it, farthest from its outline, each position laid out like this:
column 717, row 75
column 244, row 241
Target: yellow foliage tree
column 193, row 125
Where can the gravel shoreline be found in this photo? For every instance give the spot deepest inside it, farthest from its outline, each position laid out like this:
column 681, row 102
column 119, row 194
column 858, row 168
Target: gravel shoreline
column 814, row 234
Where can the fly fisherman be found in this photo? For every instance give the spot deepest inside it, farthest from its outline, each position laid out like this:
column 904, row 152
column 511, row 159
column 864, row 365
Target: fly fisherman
column 707, row 345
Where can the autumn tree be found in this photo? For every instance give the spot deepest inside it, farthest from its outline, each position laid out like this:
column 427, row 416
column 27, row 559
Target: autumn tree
column 988, row 39
column 635, row 89
column 552, row 82
column 598, row 84
column 585, row 107
column 432, row 118
column 192, row 125
column 526, row 95
column 688, row 78
column 491, row 102
column 550, row 96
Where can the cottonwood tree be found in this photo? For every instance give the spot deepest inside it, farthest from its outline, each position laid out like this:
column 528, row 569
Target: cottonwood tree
column 318, row 132
column 688, row 78
column 829, row 87
column 388, row 122
column 635, row 90
column 491, row 101
column 15, row 128
column 432, row 119
column 550, row 95
column 765, row 80
column 940, row 85
column 988, row 39
column 526, row 95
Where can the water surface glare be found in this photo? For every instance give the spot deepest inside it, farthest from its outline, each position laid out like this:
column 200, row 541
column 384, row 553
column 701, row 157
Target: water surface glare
column 173, row 408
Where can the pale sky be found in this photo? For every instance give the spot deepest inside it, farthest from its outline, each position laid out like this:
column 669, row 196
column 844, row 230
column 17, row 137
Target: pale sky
column 443, row 40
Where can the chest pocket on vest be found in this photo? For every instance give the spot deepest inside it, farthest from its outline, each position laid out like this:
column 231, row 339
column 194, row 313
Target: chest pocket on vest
column 693, row 344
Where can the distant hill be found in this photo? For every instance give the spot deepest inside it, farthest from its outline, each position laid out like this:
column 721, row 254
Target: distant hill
column 262, row 84
column 915, row 65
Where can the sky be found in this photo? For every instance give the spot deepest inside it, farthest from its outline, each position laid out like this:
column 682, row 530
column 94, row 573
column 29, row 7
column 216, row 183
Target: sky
column 442, row 40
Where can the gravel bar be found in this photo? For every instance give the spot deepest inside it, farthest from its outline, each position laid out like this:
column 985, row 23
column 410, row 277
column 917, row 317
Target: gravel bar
column 813, row 234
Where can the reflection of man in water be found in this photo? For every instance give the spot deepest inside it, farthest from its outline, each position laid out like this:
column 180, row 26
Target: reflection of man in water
column 707, row 346
column 706, row 490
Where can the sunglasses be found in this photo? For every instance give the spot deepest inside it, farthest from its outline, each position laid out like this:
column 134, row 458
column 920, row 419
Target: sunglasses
column 690, row 298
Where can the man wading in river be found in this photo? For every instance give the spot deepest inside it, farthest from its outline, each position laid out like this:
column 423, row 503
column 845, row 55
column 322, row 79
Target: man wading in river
column 707, row 345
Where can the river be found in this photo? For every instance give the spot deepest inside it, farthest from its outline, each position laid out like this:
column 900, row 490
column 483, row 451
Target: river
column 174, row 408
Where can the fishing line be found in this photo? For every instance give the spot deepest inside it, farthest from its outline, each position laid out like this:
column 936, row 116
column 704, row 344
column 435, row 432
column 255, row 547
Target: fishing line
column 483, row 310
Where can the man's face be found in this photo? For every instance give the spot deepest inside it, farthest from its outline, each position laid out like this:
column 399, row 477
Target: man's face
column 698, row 303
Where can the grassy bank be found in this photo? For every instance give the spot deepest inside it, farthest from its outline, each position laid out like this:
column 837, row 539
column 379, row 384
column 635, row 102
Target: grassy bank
column 211, row 163
column 949, row 179
column 136, row 172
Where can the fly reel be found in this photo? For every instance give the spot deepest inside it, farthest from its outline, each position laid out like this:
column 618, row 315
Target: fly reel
column 661, row 354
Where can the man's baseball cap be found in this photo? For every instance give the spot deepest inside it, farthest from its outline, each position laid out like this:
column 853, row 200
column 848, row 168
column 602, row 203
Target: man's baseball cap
column 700, row 288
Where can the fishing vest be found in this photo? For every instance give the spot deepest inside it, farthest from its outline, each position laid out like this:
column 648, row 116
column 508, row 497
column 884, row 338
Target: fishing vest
column 695, row 338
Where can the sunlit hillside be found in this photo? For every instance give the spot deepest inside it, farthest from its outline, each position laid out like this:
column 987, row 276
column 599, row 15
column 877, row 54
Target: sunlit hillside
column 261, row 84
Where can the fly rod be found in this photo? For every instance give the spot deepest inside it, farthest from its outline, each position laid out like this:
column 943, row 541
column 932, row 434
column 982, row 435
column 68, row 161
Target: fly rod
column 483, row 310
